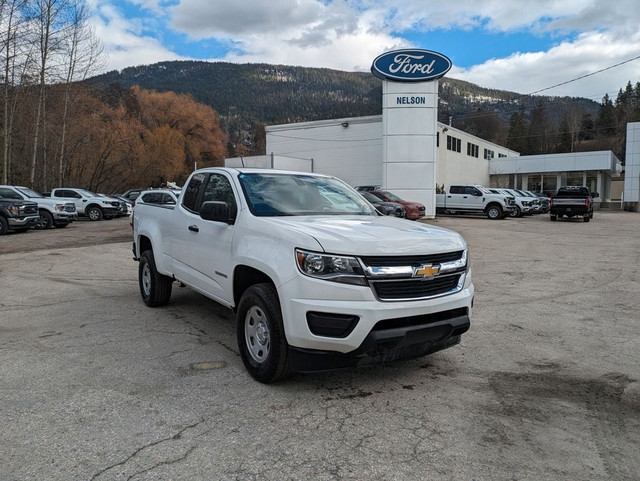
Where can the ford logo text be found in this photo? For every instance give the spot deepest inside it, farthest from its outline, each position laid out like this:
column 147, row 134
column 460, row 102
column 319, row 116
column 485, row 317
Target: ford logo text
column 410, row 65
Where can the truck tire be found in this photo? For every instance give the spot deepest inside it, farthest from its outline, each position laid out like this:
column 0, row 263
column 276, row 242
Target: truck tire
column 494, row 211
column 260, row 332
column 94, row 213
column 516, row 212
column 553, row 217
column 46, row 220
column 155, row 288
column 4, row 225
column 586, row 218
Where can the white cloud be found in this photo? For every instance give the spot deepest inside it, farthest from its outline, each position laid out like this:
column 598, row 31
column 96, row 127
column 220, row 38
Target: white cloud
column 348, row 34
column 124, row 41
column 204, row 19
column 590, row 52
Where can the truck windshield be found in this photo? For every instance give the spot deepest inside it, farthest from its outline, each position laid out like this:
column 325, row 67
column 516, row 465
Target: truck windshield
column 278, row 194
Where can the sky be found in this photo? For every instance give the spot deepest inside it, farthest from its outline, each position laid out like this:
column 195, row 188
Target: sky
column 516, row 45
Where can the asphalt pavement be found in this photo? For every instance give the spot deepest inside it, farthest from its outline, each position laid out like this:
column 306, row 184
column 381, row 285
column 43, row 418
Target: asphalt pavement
column 94, row 385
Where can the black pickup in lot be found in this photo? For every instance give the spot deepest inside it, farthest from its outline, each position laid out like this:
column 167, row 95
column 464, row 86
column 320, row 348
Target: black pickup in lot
column 572, row 202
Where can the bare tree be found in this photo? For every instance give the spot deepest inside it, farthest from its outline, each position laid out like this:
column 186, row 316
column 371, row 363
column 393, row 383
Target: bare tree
column 46, row 16
column 11, row 23
column 83, row 53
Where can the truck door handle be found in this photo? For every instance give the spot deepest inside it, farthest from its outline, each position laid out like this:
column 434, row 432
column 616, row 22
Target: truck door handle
column 194, row 228
column 464, row 196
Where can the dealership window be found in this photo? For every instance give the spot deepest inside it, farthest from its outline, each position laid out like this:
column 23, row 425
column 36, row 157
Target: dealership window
column 550, row 184
column 534, row 182
column 574, row 178
column 437, row 139
column 472, row 150
column 592, row 180
column 489, row 154
column 501, row 155
column 454, row 144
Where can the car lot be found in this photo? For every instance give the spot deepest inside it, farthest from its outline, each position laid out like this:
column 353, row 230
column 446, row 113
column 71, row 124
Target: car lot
column 545, row 385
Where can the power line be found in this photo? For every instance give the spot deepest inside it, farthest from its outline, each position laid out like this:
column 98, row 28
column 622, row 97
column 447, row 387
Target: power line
column 583, row 76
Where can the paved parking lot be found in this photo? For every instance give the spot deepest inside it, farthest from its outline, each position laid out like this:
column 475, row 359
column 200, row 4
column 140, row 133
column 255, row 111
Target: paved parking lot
column 545, row 385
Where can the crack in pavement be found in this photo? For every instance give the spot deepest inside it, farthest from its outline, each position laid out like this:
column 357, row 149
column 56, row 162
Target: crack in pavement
column 176, row 436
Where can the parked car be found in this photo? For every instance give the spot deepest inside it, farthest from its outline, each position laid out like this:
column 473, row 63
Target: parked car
column 571, row 202
column 132, row 194
column 366, row 188
column 17, row 215
column 385, row 208
column 89, row 204
column 413, row 210
column 52, row 212
column 313, row 287
column 474, row 199
column 544, row 201
column 122, row 204
column 524, row 205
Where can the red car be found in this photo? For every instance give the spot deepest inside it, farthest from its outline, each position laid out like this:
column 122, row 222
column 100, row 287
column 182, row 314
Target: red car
column 415, row 210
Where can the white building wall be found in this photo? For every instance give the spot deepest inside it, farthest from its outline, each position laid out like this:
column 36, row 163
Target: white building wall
column 350, row 148
column 354, row 153
column 632, row 164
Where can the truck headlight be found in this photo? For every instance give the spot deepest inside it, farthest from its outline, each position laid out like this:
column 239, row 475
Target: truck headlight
column 60, row 207
column 328, row 267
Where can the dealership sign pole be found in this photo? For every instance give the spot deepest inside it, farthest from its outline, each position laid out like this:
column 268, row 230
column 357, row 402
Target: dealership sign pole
column 410, row 122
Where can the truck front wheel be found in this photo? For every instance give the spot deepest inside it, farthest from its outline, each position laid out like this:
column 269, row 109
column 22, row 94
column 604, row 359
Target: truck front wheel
column 46, row 220
column 94, row 213
column 155, row 288
column 260, row 332
column 494, row 212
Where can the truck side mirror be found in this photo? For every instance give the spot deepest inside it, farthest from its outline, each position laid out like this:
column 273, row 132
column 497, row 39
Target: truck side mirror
column 216, row 211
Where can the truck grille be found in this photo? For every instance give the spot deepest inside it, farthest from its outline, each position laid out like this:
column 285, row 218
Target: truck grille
column 414, row 289
column 399, row 278
column 413, row 261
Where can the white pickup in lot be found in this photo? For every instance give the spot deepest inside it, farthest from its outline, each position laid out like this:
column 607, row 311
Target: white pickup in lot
column 318, row 279
column 474, row 199
column 52, row 212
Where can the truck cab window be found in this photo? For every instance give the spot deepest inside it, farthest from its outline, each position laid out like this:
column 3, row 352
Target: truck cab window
column 219, row 189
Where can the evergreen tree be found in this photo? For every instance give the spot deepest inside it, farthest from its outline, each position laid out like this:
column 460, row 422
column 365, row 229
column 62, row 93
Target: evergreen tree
column 606, row 122
column 517, row 136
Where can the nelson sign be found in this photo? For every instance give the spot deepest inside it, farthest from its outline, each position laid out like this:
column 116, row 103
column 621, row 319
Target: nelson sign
column 412, row 65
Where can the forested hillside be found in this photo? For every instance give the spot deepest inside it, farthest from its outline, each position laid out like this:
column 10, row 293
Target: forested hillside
column 249, row 95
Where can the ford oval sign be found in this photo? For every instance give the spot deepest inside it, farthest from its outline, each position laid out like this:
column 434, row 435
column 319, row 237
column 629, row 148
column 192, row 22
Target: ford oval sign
column 410, row 65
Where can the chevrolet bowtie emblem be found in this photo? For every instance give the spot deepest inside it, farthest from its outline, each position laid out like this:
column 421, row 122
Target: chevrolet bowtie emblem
column 426, row 272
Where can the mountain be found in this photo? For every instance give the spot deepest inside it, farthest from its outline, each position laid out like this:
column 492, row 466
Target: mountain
column 248, row 94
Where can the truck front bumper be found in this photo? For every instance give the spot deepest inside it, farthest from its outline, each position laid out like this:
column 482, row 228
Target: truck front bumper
column 23, row 222
column 330, row 325
column 388, row 344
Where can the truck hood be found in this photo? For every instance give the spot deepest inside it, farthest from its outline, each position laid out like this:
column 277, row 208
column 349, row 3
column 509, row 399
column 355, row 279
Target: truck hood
column 371, row 235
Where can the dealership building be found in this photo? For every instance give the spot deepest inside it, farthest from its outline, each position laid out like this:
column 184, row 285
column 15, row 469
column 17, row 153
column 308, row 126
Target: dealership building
column 407, row 151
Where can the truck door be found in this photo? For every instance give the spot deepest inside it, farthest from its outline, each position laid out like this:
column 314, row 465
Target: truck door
column 454, row 199
column 473, row 198
column 201, row 249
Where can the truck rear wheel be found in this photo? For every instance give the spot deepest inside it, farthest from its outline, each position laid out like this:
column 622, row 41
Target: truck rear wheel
column 586, row 218
column 260, row 332
column 155, row 288
column 553, row 217
column 4, row 225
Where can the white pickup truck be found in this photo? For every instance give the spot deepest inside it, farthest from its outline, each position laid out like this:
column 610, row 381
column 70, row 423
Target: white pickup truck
column 317, row 278
column 52, row 212
column 475, row 199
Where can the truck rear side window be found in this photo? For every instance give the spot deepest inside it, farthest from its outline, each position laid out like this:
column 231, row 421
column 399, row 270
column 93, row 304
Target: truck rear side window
column 191, row 191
